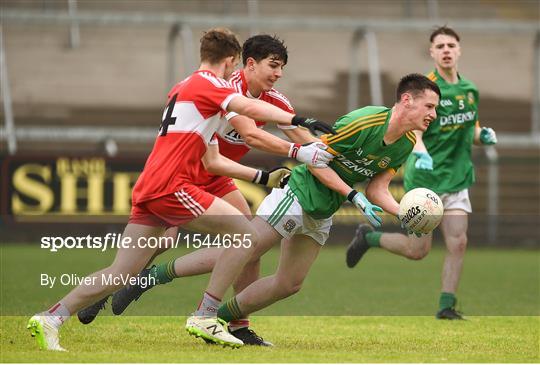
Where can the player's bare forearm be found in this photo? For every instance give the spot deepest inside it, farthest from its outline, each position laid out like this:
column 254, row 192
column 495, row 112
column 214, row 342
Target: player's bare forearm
column 217, row 164
column 226, row 167
column 477, row 130
column 331, row 180
column 258, row 138
column 377, row 193
column 300, row 135
column 259, row 110
column 383, row 199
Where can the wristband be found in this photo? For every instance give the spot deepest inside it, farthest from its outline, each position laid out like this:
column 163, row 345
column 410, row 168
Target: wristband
column 261, row 177
column 351, row 195
column 286, row 126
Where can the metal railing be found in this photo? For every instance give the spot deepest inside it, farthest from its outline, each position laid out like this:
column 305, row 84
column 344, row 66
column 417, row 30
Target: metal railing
column 181, row 26
column 9, row 130
column 373, row 67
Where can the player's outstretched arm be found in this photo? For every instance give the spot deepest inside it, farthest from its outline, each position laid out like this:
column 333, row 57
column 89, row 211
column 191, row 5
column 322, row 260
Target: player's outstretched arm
column 300, row 135
column 258, row 138
column 331, row 179
column 266, row 112
column 217, row 164
column 377, row 192
column 313, row 155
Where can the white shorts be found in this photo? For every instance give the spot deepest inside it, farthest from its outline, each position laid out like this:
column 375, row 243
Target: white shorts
column 282, row 211
column 459, row 200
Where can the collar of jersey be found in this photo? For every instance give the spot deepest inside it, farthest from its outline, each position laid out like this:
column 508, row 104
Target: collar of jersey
column 210, row 72
column 245, row 89
column 386, row 124
column 439, row 77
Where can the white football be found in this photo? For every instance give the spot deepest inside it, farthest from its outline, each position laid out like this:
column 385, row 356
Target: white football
column 420, row 210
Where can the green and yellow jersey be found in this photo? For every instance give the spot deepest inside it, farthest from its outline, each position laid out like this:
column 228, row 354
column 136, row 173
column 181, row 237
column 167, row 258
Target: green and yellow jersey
column 360, row 155
column 448, row 140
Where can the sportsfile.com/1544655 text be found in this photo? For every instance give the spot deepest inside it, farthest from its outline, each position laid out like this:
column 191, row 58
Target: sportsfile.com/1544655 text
column 116, row 240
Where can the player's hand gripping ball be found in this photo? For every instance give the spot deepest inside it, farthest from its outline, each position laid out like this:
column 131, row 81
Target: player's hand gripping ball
column 420, row 211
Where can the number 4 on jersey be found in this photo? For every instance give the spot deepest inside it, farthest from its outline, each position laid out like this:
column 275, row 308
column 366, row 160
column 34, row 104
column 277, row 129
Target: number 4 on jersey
column 168, row 119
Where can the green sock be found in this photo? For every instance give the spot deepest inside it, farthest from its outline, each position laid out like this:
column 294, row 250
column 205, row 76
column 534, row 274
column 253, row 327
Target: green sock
column 447, row 300
column 373, row 239
column 163, row 273
column 230, row 311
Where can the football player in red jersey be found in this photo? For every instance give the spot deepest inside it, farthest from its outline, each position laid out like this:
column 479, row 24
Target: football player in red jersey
column 264, row 58
column 169, row 193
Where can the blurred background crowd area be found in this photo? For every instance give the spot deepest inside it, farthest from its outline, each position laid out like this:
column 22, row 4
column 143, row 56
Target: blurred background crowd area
column 90, row 77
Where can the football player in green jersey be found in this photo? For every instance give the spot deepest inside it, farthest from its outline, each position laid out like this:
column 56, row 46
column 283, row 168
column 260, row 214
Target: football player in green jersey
column 371, row 144
column 441, row 161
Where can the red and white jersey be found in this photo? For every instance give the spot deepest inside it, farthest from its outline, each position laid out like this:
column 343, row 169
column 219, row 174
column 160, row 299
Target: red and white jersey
column 231, row 144
column 190, row 120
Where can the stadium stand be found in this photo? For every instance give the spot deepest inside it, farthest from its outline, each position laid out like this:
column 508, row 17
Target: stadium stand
column 117, row 77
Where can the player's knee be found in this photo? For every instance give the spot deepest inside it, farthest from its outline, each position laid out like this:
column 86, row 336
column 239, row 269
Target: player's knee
column 251, row 238
column 254, row 261
column 286, row 288
column 287, row 291
column 417, row 253
column 416, row 256
column 457, row 245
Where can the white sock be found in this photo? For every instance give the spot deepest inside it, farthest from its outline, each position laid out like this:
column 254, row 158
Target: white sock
column 57, row 314
column 209, row 306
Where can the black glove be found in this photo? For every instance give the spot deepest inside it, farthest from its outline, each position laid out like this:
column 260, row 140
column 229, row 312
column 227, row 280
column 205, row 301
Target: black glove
column 275, row 178
column 312, row 124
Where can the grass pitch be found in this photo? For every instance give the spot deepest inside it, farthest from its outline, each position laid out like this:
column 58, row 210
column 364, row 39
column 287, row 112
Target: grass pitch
column 296, row 339
column 382, row 311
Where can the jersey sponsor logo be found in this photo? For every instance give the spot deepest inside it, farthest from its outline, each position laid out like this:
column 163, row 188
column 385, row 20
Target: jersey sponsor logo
column 359, row 152
column 458, row 118
column 384, row 162
column 354, row 166
column 446, row 102
column 364, row 161
column 452, row 127
column 233, row 137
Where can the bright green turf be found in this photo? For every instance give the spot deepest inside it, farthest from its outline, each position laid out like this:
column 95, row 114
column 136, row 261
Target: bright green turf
column 503, row 284
column 297, row 339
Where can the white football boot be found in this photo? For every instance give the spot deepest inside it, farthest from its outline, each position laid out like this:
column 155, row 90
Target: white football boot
column 212, row 329
column 45, row 333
